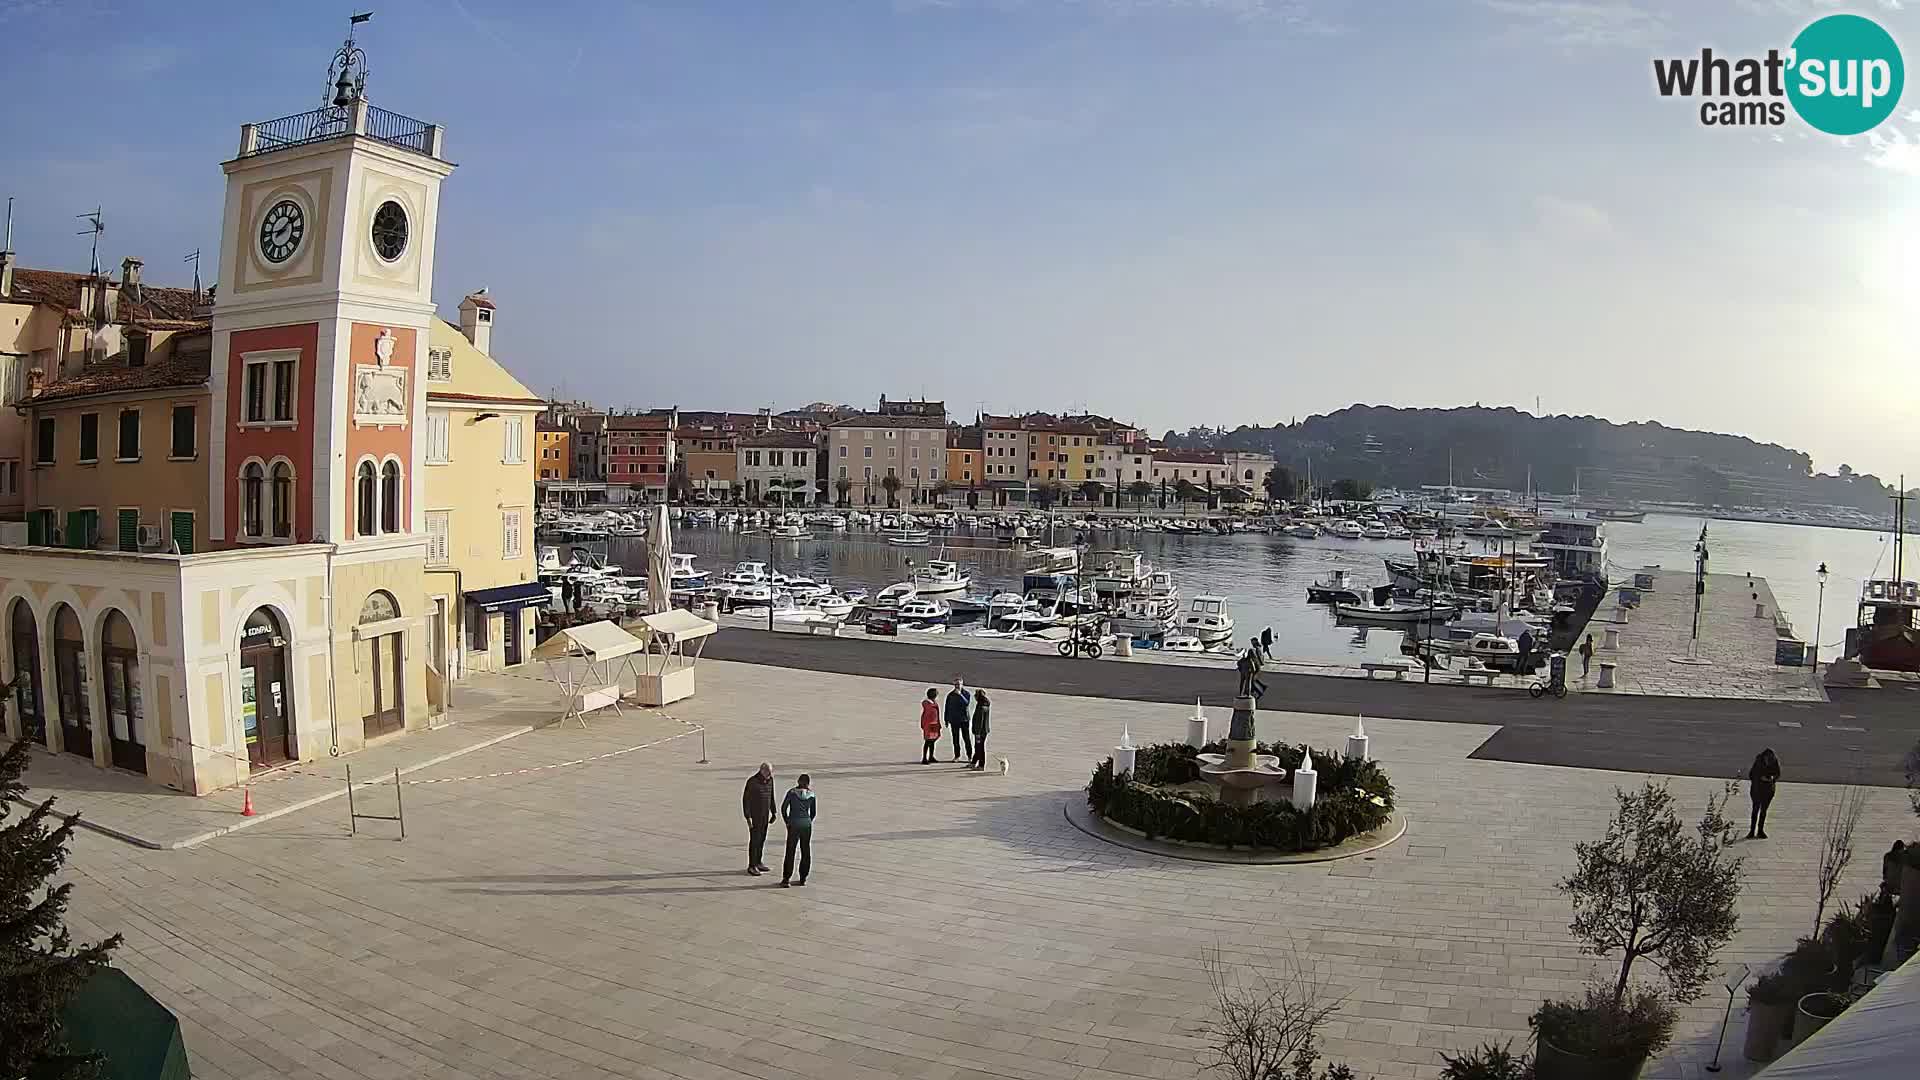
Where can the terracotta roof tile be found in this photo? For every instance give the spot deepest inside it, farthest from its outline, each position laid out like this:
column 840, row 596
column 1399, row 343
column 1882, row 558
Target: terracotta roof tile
column 877, row 420
column 186, row 365
column 158, row 307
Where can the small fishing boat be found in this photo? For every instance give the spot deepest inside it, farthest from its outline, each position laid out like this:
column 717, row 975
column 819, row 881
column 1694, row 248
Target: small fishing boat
column 940, row 577
column 1186, row 643
column 894, row 595
column 1207, row 619
column 1346, row 530
column 1335, row 588
column 910, row 538
column 791, row 532
column 1302, row 531
column 922, row 611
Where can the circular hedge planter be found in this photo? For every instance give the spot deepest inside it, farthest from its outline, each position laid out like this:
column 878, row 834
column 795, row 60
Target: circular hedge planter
column 1355, row 797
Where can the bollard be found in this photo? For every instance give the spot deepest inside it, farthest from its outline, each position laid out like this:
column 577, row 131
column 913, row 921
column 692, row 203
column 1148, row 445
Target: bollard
column 1612, row 639
column 1122, row 645
column 1357, row 742
column 1620, row 615
column 1123, row 755
column 1606, row 675
column 1197, row 726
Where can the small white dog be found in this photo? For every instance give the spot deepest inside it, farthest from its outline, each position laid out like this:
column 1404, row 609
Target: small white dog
column 1003, row 766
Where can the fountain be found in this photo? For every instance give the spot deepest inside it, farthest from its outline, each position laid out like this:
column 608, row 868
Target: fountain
column 1242, row 776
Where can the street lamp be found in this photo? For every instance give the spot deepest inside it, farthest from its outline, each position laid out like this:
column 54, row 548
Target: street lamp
column 1817, row 613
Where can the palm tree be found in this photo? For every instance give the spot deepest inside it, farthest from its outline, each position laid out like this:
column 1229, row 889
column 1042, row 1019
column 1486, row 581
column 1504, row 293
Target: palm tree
column 842, row 486
column 1091, row 490
column 1140, row 490
column 891, row 485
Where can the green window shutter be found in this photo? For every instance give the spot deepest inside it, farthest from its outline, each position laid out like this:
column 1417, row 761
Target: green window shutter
column 129, row 530
column 183, row 532
column 81, row 528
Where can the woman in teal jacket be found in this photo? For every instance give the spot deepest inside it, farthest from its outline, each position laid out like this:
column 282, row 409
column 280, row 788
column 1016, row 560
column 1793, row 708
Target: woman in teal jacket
column 798, row 810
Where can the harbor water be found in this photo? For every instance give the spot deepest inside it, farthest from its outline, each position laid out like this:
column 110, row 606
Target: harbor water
column 1266, row 574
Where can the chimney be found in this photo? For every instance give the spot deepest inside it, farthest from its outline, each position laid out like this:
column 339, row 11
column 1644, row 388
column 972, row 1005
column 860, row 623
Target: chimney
column 35, row 378
column 130, row 278
column 476, row 320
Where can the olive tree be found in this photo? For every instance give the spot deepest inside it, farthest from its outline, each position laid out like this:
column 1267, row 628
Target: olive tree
column 1654, row 889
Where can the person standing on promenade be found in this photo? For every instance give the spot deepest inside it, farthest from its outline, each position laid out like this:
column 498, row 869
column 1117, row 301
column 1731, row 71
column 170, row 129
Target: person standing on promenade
column 757, row 804
column 958, row 702
column 981, row 725
column 798, row 810
column 1586, row 657
column 1761, row 779
column 929, row 725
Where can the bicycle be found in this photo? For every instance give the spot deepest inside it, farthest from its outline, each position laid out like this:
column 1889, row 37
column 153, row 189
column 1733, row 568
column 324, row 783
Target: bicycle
column 1548, row 686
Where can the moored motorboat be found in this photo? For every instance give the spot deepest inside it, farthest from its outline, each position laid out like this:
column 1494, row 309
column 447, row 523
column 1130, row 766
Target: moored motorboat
column 1208, row 619
column 940, row 577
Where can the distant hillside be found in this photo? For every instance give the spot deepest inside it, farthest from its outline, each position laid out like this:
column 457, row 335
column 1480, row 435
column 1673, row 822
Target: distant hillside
column 1405, row 448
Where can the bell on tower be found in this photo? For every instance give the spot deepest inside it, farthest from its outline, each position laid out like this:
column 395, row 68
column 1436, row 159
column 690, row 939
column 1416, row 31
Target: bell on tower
column 347, row 75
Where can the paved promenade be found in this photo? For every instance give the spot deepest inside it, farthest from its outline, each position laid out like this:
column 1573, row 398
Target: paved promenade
column 1861, row 735
column 591, row 920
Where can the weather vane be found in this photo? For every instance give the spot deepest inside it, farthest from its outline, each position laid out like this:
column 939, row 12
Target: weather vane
column 347, row 74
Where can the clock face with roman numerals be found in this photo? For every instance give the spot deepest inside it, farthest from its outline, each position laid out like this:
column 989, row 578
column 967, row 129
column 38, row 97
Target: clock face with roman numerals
column 281, row 231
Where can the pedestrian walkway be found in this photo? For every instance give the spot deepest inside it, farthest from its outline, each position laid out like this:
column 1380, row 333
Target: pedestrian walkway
column 594, row 920
column 1737, row 644
column 488, row 708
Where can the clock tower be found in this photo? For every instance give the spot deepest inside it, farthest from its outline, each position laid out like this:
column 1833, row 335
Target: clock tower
column 320, row 328
column 319, row 366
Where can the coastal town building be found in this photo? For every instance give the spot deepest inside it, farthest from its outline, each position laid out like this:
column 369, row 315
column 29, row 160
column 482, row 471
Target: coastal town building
column 1200, row 468
column 638, row 452
column 896, row 455
column 56, row 325
column 1248, row 469
column 777, row 466
column 479, row 464
column 294, row 502
column 966, row 462
column 553, row 450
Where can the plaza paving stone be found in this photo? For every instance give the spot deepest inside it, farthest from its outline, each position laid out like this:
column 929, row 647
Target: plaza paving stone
column 593, row 920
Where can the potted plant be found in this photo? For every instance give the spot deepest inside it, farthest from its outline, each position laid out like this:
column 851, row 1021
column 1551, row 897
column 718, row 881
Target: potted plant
column 1879, row 926
column 1651, row 888
column 1487, row 1062
column 1847, row 940
column 1600, row 1038
column 1815, row 1010
column 1770, row 1006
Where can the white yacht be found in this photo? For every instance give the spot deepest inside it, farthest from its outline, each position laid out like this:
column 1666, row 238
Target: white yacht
column 894, row 595
column 1145, row 616
column 682, row 575
column 1208, row 619
column 918, row 610
column 940, row 577
column 1346, row 530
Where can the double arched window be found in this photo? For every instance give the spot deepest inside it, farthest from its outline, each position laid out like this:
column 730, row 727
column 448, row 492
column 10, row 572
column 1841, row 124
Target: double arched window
column 266, row 500
column 378, row 499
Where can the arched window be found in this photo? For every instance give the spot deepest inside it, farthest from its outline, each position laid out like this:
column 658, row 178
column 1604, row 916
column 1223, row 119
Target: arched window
column 120, row 670
column 282, row 500
column 70, row 682
column 252, row 478
column 390, row 497
column 366, row 498
column 26, row 672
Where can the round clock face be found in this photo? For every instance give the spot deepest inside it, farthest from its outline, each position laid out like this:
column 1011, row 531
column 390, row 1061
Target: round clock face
column 390, row 230
column 281, row 230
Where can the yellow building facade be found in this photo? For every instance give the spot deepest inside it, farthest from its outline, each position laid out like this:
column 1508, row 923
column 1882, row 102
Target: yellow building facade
column 553, row 447
column 480, row 468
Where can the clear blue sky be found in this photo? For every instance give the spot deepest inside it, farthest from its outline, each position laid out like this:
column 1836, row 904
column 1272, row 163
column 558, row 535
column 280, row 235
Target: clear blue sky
column 1180, row 211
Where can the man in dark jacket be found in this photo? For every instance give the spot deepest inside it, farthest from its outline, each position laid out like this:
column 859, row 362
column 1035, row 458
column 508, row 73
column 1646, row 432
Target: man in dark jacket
column 798, row 810
column 982, row 723
column 1525, row 664
column 959, row 703
column 757, row 804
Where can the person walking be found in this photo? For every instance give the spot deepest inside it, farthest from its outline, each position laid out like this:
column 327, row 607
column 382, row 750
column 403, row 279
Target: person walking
column 981, row 725
column 1761, row 779
column 798, row 810
column 1266, row 642
column 1525, row 663
column 930, row 725
column 757, row 804
column 958, row 703
column 1586, row 657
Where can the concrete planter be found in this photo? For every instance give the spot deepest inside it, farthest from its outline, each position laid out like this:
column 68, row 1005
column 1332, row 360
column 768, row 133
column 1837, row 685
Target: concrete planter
column 1813, row 1013
column 1767, row 1024
column 1552, row 1063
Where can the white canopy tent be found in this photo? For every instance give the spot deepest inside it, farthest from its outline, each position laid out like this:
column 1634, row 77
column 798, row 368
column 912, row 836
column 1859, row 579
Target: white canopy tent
column 1878, row 1038
column 587, row 663
column 668, row 674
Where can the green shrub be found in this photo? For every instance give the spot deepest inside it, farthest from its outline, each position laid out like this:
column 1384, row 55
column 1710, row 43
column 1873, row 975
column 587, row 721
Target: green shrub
column 1640, row 1025
column 1346, row 805
column 1487, row 1062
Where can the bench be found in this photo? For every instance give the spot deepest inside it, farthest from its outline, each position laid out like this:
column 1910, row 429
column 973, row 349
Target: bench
column 1467, row 675
column 1398, row 667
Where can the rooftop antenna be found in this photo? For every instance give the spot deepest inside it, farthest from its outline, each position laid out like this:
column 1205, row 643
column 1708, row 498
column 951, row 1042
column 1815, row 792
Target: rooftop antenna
column 94, row 228
column 8, row 244
column 194, row 258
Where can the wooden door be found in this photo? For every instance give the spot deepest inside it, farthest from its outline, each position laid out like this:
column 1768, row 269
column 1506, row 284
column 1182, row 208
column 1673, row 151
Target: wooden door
column 76, row 724
column 126, row 739
column 389, row 710
column 263, row 705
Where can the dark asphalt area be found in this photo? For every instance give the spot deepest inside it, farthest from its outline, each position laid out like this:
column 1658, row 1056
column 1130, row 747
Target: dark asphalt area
column 1861, row 737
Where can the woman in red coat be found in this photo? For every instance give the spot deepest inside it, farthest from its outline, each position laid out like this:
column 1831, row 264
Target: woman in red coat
column 930, row 724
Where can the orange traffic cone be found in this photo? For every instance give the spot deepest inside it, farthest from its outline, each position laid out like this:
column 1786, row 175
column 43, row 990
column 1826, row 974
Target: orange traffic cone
column 246, row 804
